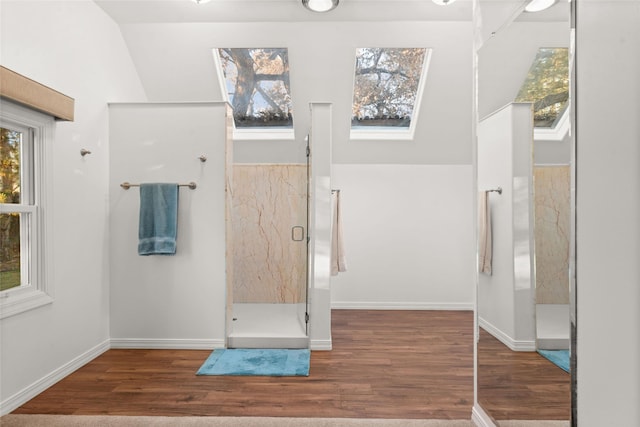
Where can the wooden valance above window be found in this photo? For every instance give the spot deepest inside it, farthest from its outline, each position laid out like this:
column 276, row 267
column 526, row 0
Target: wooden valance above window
column 25, row 91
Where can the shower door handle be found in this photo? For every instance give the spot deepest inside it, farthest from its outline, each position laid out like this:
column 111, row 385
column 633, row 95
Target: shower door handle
column 297, row 233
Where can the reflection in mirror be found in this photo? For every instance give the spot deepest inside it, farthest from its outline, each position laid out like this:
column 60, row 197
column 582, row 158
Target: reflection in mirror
column 547, row 86
column 524, row 147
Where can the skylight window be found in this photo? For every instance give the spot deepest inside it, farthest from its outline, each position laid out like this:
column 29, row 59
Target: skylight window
column 386, row 94
column 256, row 81
column 547, row 87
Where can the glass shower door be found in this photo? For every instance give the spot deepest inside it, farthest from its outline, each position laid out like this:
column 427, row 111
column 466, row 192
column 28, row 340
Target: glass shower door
column 270, row 247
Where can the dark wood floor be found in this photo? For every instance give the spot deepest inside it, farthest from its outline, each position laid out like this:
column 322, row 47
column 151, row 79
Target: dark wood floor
column 513, row 385
column 384, row 364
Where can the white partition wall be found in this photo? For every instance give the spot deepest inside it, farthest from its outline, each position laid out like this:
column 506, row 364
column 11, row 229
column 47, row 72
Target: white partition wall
column 320, row 227
column 506, row 297
column 169, row 301
column 607, row 212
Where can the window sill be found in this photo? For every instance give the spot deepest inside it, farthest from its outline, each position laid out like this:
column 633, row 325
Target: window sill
column 17, row 301
column 263, row 134
column 558, row 133
column 381, row 134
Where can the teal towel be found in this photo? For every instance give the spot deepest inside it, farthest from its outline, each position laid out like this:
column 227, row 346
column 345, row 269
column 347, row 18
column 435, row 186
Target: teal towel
column 157, row 229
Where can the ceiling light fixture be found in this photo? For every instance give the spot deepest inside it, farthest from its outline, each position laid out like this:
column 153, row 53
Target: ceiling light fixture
column 320, row 5
column 201, row 1
column 443, row 2
column 538, row 5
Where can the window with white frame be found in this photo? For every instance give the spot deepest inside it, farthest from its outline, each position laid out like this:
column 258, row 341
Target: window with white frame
column 257, row 85
column 547, row 88
column 23, row 146
column 387, row 89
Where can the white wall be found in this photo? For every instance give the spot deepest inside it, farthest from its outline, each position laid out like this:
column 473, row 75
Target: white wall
column 506, row 297
column 169, row 301
column 553, row 152
column 75, row 48
column 504, row 60
column 608, row 208
column 408, row 233
column 322, row 61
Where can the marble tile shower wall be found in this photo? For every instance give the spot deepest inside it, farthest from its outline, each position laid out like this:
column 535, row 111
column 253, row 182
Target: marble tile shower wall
column 268, row 201
column 552, row 215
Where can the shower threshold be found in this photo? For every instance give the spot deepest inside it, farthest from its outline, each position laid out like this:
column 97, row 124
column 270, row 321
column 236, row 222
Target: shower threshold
column 552, row 324
column 268, row 326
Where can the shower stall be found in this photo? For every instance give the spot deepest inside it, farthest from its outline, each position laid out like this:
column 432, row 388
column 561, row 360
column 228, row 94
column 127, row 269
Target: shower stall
column 552, row 231
column 268, row 294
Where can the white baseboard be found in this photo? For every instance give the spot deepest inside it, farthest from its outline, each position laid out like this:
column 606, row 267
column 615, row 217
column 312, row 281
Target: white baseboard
column 167, row 344
column 321, row 345
column 480, row 418
column 514, row 345
column 366, row 305
column 179, row 344
column 50, row 379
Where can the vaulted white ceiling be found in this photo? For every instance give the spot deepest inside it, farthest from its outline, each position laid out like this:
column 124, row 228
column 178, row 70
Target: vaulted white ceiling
column 155, row 11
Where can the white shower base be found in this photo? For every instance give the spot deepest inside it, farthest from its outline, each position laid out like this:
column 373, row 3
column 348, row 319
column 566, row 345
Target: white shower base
column 268, row 326
column 552, row 326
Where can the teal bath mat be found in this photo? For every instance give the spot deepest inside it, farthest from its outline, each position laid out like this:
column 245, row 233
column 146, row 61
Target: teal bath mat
column 265, row 362
column 560, row 358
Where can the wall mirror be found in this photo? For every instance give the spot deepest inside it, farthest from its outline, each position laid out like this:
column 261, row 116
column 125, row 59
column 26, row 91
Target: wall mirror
column 525, row 149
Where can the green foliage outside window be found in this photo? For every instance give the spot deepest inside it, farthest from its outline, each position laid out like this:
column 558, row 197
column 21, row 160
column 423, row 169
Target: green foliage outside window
column 547, row 86
column 9, row 223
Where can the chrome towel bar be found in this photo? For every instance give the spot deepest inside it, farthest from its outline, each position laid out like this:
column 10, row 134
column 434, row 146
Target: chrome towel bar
column 126, row 185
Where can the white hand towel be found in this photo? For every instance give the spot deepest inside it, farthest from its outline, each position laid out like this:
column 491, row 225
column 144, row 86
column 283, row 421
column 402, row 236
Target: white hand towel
column 484, row 233
column 338, row 262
